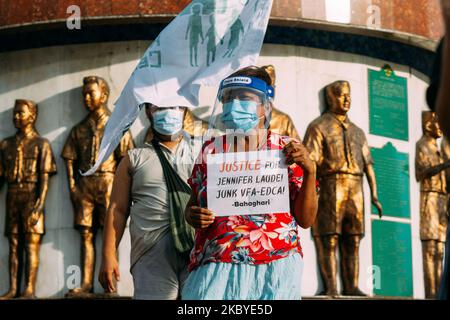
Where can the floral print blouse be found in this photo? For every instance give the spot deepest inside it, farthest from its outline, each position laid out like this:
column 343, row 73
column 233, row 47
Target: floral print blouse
column 251, row 239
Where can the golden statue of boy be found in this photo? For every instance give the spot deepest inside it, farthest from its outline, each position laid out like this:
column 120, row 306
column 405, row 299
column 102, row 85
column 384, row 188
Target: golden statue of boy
column 430, row 172
column 90, row 195
column 26, row 163
column 342, row 155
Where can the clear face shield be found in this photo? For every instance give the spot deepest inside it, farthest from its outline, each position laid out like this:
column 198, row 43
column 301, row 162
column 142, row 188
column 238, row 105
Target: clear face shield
column 243, row 105
column 243, row 108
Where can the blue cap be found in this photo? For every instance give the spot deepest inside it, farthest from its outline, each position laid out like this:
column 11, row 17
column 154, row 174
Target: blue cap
column 248, row 82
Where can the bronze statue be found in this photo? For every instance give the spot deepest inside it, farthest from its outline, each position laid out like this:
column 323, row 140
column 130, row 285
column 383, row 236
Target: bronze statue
column 90, row 194
column 430, row 172
column 342, row 155
column 189, row 125
column 280, row 122
column 26, row 163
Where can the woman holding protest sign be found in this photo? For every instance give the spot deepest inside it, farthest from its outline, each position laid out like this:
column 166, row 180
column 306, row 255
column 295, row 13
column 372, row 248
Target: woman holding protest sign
column 248, row 256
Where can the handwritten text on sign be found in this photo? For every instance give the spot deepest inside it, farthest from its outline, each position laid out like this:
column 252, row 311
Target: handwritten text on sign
column 245, row 183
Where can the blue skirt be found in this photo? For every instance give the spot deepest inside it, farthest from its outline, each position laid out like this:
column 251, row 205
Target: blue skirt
column 278, row 280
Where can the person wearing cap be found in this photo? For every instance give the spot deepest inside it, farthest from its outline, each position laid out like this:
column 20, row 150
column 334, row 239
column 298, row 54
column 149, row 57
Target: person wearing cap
column 141, row 192
column 254, row 257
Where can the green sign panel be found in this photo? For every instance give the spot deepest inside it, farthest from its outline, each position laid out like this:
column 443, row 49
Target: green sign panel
column 392, row 175
column 392, row 259
column 388, row 104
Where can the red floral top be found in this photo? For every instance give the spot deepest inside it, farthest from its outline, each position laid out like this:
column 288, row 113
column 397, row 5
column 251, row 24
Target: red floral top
column 251, row 239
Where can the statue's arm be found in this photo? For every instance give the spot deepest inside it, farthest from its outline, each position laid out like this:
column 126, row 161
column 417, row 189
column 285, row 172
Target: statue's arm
column 45, row 168
column 70, row 154
column 38, row 208
column 43, row 190
column 424, row 169
column 432, row 171
column 71, row 175
column 371, row 178
column 370, row 173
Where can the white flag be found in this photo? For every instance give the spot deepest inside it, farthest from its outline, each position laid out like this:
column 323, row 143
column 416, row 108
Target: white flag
column 206, row 42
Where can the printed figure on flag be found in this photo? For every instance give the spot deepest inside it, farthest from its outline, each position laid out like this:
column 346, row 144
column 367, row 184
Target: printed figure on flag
column 195, row 32
column 211, row 46
column 173, row 68
column 235, row 35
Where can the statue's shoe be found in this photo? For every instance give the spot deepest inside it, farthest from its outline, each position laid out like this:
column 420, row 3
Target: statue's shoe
column 80, row 292
column 329, row 293
column 27, row 296
column 355, row 293
column 9, row 295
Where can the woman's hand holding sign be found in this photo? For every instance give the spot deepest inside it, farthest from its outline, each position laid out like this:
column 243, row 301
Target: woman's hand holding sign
column 199, row 218
column 297, row 153
column 304, row 206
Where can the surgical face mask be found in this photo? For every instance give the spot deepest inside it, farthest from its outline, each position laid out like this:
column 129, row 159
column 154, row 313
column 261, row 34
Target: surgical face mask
column 168, row 121
column 238, row 114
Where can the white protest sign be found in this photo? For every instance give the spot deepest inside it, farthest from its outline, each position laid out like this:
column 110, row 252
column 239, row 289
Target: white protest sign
column 245, row 183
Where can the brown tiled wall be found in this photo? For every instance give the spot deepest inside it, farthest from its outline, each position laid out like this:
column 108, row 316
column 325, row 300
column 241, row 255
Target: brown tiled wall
column 420, row 17
column 287, row 9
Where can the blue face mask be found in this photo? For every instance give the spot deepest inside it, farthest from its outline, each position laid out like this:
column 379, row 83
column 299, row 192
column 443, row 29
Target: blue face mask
column 239, row 114
column 168, row 121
